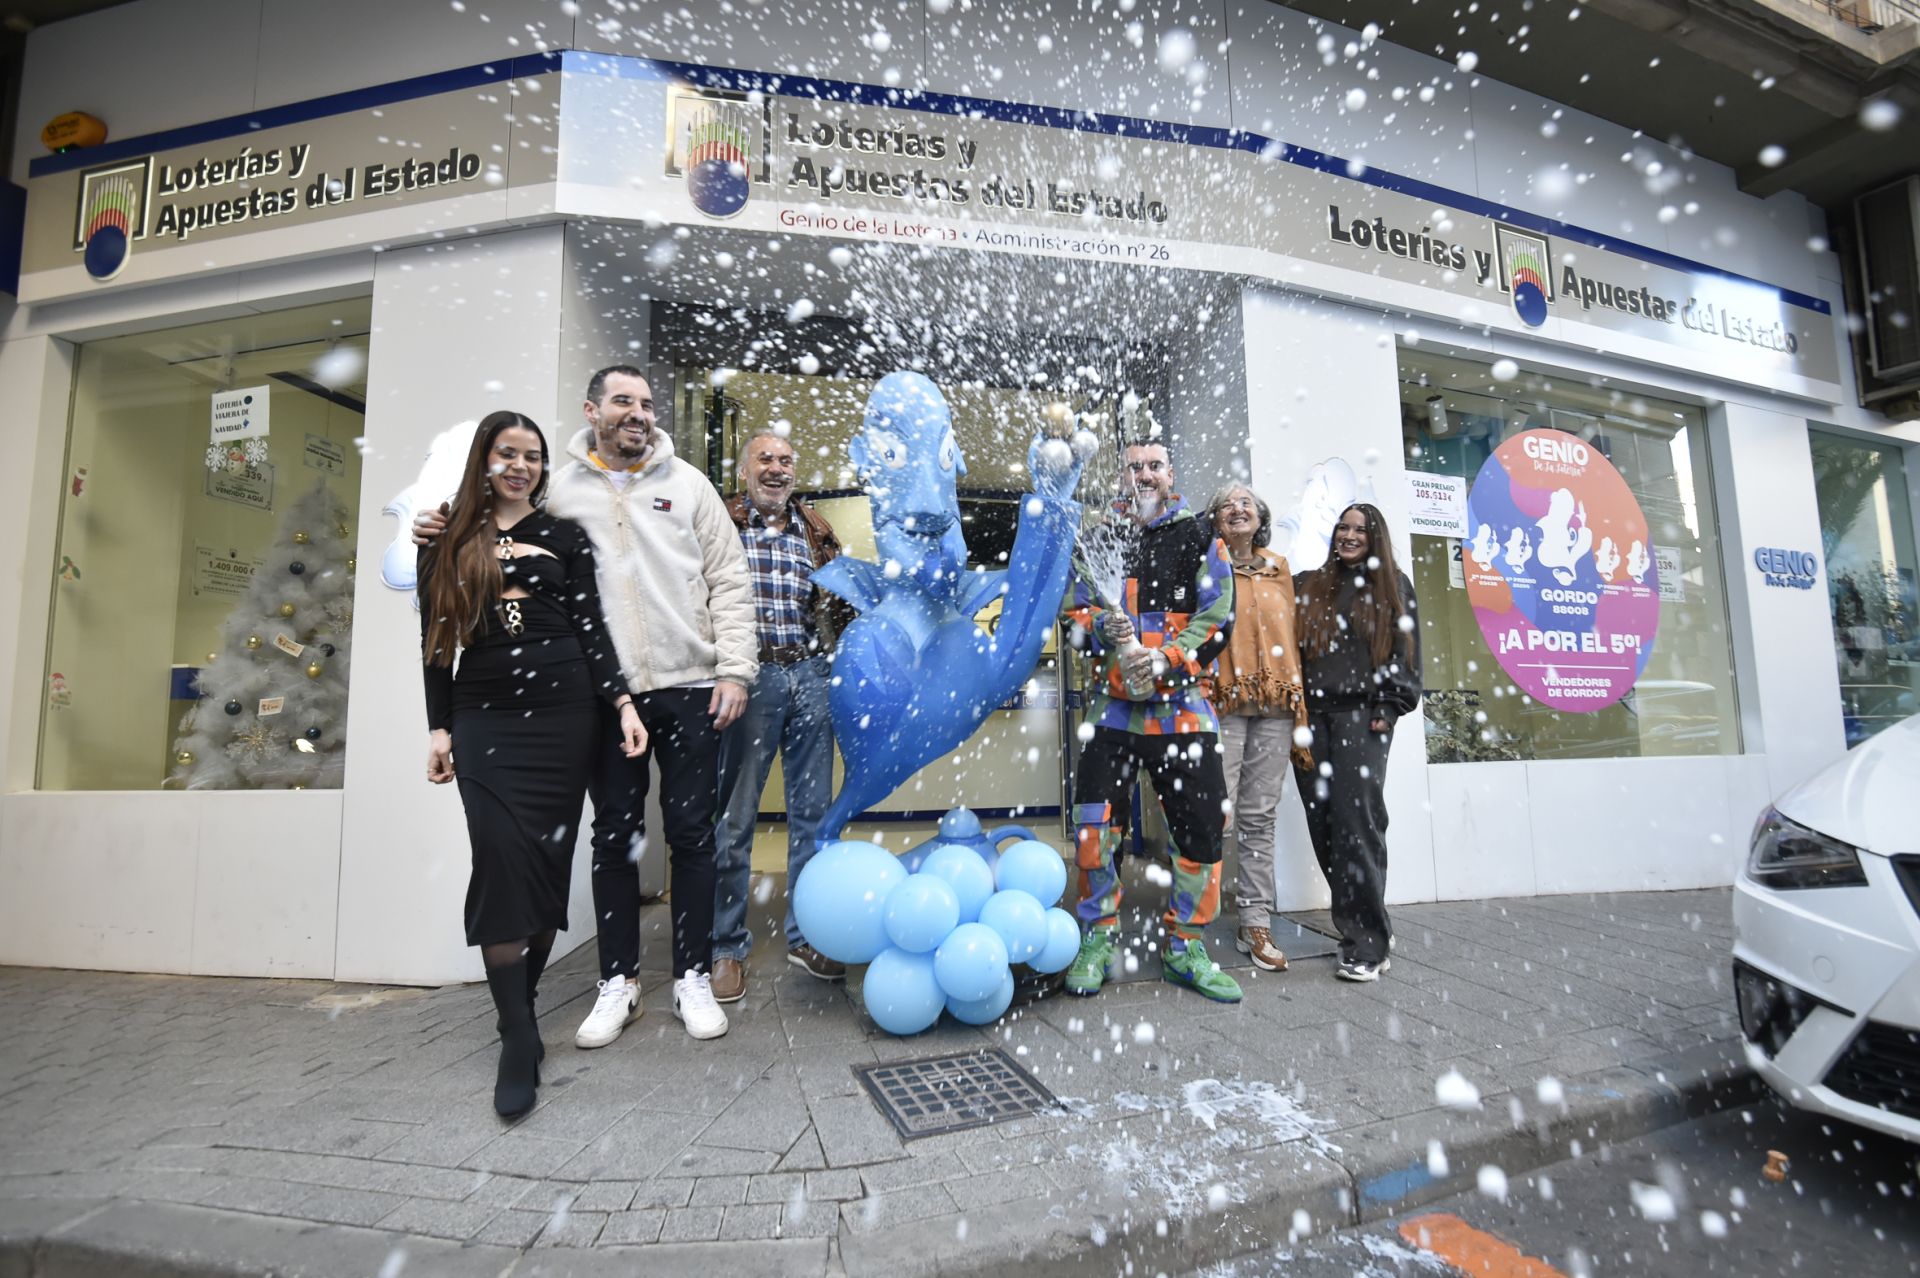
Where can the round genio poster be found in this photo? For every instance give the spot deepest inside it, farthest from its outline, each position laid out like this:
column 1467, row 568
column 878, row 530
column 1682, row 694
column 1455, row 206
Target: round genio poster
column 1560, row 571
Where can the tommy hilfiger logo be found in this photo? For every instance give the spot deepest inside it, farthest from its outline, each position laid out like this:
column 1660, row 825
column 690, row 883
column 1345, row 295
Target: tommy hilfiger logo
column 720, row 143
column 661, row 503
column 1526, row 272
column 112, row 214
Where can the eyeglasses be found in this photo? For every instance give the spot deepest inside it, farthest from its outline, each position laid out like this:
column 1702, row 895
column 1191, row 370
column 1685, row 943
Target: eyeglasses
column 1239, row 503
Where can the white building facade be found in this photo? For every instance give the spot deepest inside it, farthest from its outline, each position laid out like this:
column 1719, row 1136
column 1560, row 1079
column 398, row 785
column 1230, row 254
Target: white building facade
column 1329, row 267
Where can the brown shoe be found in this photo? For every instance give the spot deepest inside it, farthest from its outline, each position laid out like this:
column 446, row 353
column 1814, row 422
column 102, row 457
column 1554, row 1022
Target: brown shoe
column 729, row 980
column 1257, row 944
column 814, row 963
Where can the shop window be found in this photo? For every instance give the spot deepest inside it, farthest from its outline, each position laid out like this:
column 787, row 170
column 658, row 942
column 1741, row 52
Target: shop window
column 1625, row 604
column 203, row 581
column 1866, row 535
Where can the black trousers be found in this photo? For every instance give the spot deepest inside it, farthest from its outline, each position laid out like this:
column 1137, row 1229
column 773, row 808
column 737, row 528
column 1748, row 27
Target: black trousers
column 1347, row 818
column 681, row 736
column 1187, row 776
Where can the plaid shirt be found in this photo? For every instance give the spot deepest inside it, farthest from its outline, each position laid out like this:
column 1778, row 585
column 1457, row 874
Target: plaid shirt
column 781, row 566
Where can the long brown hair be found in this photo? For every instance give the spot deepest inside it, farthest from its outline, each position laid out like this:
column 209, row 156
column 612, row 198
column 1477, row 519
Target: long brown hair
column 1377, row 605
column 465, row 579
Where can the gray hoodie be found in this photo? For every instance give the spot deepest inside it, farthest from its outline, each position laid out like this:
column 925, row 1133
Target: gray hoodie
column 673, row 578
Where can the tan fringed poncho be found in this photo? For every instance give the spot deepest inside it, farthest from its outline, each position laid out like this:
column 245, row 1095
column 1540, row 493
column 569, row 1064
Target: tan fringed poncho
column 1259, row 673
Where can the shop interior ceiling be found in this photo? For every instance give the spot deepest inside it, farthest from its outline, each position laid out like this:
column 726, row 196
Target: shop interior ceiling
column 861, row 310
column 317, row 350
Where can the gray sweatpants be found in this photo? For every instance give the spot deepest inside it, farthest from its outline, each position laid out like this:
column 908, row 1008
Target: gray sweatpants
column 1255, row 753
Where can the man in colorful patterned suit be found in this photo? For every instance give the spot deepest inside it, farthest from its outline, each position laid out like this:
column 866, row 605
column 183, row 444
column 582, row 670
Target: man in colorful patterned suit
column 1152, row 639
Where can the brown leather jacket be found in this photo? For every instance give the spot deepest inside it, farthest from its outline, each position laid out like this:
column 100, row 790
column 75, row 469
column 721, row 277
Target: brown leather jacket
column 831, row 614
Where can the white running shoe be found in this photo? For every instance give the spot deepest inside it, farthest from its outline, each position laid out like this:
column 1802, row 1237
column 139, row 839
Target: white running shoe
column 617, row 1007
column 694, row 1004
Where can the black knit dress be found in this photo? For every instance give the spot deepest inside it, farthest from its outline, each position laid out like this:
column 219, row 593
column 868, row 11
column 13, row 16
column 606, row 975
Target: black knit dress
column 521, row 708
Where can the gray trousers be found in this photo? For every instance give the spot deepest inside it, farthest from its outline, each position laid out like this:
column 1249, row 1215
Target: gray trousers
column 1255, row 751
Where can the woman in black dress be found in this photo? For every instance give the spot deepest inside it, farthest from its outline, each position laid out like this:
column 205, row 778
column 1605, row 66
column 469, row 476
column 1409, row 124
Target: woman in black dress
column 512, row 588
column 1361, row 651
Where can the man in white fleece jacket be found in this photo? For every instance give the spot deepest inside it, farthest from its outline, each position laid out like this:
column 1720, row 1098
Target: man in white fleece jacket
column 679, row 604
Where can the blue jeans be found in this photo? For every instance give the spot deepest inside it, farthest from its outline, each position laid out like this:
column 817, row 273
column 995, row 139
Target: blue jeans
column 786, row 711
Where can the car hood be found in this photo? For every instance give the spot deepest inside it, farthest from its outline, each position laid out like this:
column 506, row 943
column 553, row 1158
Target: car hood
column 1871, row 798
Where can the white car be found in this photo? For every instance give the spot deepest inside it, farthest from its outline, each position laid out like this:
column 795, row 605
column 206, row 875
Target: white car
column 1827, row 939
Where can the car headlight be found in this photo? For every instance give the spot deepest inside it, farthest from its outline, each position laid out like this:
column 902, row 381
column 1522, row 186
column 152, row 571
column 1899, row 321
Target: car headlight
column 1788, row 855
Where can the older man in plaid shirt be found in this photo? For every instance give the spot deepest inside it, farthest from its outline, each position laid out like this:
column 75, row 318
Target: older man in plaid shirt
column 785, row 540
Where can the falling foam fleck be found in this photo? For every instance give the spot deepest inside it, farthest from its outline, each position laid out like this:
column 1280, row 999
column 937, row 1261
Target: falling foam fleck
column 1454, row 1091
column 1492, row 1182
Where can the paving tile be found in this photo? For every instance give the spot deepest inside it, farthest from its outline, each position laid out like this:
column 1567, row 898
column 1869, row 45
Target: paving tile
column 633, row 1227
column 510, row 1191
column 775, row 1187
column 692, row 1224
column 606, row 1195
column 518, row 1154
column 572, row 1229
column 438, row 1219
column 805, row 1156
column 514, row 1228
column 663, row 1193
column 915, row 1169
column 833, row 1186
column 901, row 1207
column 719, row 1191
column 634, row 1148
column 753, row 1220
column 769, row 1115
column 975, row 1192
column 852, row 1132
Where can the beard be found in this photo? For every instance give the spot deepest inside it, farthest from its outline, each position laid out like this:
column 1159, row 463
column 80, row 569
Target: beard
column 1147, row 504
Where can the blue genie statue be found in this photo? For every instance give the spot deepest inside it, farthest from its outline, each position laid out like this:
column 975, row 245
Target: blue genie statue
column 914, row 675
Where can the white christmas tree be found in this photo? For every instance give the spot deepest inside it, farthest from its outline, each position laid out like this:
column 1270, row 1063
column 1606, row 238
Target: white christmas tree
column 272, row 713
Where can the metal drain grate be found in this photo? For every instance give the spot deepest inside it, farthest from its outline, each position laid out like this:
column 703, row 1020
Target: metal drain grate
column 951, row 1093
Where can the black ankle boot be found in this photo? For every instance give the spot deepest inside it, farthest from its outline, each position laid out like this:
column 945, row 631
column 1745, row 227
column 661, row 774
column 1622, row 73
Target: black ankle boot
column 519, row 1076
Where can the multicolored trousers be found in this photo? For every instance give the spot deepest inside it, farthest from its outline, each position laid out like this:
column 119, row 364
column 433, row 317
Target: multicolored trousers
column 1187, row 776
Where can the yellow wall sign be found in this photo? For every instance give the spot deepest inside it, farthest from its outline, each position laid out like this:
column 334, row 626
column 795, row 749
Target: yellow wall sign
column 74, row 129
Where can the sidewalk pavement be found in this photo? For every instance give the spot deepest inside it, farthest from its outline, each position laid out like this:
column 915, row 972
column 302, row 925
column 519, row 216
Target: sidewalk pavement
column 170, row 1125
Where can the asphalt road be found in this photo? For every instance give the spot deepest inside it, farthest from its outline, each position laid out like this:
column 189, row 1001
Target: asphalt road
column 1688, row 1201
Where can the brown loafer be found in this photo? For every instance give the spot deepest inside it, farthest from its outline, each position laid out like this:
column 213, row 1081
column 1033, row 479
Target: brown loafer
column 1257, row 943
column 729, row 980
column 814, row 963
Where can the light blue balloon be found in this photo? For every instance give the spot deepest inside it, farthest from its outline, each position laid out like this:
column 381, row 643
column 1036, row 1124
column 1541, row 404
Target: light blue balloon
column 1063, row 943
column 971, row 962
column 920, row 912
column 1032, row 867
column 965, row 872
column 1020, row 920
column 840, row 900
column 901, row 993
column 984, row 1011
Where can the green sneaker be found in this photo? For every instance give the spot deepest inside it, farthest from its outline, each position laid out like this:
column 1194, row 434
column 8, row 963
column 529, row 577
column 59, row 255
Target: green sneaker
column 1094, row 965
column 1192, row 967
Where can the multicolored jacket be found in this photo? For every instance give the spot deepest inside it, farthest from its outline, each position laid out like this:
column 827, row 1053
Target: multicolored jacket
column 1179, row 593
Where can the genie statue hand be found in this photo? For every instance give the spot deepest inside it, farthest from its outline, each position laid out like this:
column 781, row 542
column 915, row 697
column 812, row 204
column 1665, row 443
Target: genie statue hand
column 1055, row 464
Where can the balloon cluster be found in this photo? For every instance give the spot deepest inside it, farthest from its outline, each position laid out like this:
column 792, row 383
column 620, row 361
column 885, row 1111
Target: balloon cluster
column 943, row 938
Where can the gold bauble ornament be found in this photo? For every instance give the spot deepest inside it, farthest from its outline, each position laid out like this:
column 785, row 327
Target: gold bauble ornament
column 353, row 561
column 286, row 610
column 314, row 670
column 184, row 758
column 253, row 642
column 300, row 537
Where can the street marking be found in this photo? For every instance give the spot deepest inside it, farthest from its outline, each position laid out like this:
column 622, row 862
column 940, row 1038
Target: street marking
column 1473, row 1252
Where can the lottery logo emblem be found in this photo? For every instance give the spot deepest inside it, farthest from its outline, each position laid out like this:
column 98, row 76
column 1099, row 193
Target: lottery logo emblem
column 1560, row 572
column 112, row 215
column 718, row 155
column 1525, row 273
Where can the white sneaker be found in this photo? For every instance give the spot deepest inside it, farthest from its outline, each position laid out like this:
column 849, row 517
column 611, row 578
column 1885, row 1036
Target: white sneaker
column 617, row 1007
column 693, row 1003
